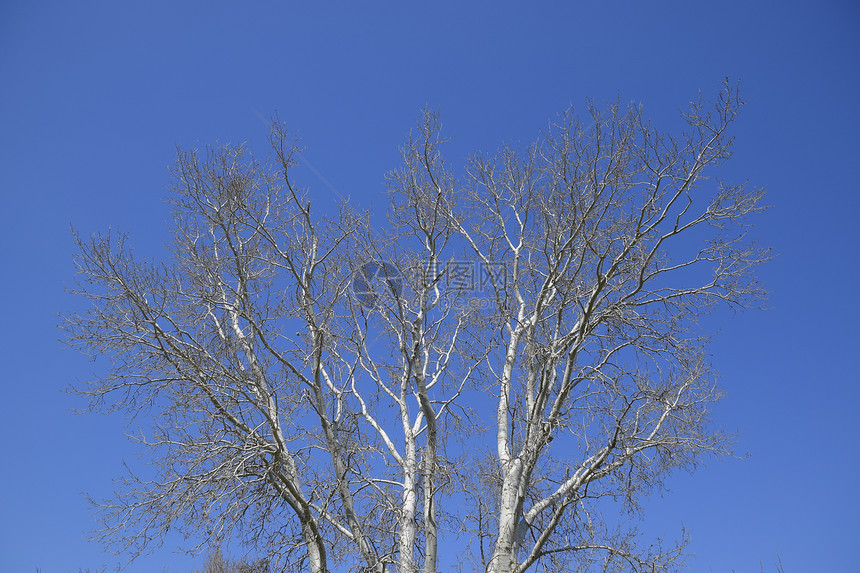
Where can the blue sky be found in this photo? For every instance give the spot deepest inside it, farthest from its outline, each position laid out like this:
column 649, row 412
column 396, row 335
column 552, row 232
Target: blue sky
column 95, row 97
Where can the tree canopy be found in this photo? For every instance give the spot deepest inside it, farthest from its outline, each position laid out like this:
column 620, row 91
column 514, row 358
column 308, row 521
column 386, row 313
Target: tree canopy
column 512, row 358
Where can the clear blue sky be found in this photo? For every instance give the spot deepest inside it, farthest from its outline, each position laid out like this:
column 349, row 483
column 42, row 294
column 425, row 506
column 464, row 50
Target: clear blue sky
column 95, row 97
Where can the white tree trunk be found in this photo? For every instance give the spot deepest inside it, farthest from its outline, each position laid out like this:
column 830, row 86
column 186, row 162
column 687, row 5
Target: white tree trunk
column 407, row 520
column 316, row 555
column 505, row 551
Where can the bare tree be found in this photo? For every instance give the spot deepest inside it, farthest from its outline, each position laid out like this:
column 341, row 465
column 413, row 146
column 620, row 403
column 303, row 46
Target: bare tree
column 216, row 562
column 515, row 357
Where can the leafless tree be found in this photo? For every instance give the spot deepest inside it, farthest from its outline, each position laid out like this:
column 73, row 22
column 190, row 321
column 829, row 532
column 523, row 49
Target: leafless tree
column 216, row 562
column 513, row 359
